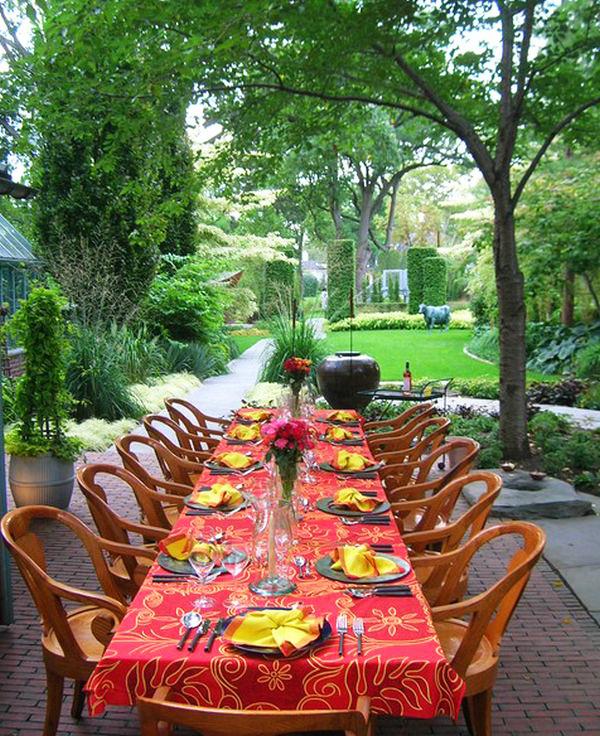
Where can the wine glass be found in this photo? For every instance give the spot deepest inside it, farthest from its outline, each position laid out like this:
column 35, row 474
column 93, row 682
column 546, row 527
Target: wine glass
column 235, row 561
column 202, row 565
column 310, row 463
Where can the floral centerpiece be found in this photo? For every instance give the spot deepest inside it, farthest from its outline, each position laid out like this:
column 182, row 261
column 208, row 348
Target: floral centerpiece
column 288, row 439
column 296, row 371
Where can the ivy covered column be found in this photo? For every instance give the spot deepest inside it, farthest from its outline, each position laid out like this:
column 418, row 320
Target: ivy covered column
column 414, row 262
column 435, row 281
column 341, row 270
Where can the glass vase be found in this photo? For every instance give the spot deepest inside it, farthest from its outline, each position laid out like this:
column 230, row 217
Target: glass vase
column 278, row 538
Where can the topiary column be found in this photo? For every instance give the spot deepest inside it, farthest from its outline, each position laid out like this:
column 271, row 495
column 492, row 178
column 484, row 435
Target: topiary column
column 435, row 281
column 341, row 268
column 414, row 260
column 279, row 286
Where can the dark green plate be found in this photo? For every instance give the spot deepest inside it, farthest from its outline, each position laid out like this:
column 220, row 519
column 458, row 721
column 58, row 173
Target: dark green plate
column 331, row 469
column 356, row 442
column 327, row 505
column 323, row 566
column 224, row 470
column 326, row 632
column 183, row 567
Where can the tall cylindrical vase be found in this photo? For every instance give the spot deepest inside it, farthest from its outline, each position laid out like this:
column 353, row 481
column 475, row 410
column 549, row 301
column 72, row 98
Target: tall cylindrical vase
column 280, row 530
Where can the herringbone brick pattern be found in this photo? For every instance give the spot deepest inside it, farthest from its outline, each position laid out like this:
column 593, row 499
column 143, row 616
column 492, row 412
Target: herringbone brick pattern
column 549, row 680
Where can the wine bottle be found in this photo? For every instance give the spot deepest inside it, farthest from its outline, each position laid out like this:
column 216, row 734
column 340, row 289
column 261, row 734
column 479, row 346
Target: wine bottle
column 407, row 380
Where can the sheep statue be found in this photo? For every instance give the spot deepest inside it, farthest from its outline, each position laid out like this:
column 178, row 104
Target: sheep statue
column 435, row 315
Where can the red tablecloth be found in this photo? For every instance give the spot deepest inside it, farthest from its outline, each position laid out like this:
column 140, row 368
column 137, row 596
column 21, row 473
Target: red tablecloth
column 403, row 668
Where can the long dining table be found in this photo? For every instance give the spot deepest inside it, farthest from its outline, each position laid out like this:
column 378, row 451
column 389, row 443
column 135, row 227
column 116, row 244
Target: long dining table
column 402, row 669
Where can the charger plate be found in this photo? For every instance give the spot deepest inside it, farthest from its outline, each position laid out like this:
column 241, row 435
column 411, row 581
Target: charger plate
column 323, row 567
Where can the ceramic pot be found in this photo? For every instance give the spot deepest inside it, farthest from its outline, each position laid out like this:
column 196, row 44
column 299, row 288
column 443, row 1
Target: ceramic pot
column 342, row 375
column 41, row 480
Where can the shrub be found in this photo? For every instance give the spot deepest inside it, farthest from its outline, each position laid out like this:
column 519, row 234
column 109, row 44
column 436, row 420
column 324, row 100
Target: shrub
column 201, row 360
column 560, row 393
column 485, row 430
column 303, row 344
column 461, row 320
column 393, row 294
column 554, row 347
column 376, row 292
column 341, row 268
column 590, row 397
column 152, row 396
column 279, row 285
column 139, row 355
column 484, row 344
column 587, row 362
column 435, row 281
column 96, row 378
column 310, row 284
column 241, row 304
column 384, row 307
column 42, row 400
column 414, row 263
column 182, row 305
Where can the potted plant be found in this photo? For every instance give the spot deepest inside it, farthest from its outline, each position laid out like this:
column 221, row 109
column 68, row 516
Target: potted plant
column 41, row 468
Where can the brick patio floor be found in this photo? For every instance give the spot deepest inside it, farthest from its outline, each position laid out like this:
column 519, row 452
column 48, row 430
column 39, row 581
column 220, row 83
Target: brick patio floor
column 549, row 680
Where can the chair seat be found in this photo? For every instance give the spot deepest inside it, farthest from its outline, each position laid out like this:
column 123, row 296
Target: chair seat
column 141, row 569
column 80, row 621
column 484, row 662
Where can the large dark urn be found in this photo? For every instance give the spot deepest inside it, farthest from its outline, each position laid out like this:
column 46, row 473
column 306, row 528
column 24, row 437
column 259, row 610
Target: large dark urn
column 343, row 375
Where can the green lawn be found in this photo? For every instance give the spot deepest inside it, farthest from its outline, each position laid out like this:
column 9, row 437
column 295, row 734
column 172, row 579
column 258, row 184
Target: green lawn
column 431, row 354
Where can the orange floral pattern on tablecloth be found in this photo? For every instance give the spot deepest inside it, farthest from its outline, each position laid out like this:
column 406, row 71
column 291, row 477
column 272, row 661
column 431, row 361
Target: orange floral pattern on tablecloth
column 403, row 668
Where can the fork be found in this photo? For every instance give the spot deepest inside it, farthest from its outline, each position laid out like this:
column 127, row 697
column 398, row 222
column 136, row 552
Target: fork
column 341, row 624
column 358, row 627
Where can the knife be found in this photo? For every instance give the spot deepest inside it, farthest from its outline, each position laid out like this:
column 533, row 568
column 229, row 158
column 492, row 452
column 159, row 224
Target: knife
column 198, row 635
column 217, row 631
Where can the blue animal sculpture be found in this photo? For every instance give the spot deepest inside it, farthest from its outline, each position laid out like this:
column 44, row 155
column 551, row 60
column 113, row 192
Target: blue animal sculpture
column 435, row 315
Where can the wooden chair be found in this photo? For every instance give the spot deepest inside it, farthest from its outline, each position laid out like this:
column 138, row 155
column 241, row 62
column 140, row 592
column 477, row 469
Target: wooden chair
column 419, row 478
column 194, row 420
column 214, row 722
column 195, row 447
column 415, row 412
column 470, row 631
column 179, row 474
column 129, row 572
column 73, row 639
column 409, row 446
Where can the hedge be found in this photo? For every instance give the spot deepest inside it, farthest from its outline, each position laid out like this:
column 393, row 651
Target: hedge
column 341, row 268
column 279, row 285
column 414, row 264
column 310, row 285
column 435, row 281
column 460, row 320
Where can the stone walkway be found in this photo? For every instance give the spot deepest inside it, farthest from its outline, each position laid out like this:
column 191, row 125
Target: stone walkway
column 549, row 676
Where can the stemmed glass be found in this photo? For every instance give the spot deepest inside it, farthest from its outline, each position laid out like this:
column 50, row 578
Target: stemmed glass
column 310, row 463
column 235, row 562
column 202, row 565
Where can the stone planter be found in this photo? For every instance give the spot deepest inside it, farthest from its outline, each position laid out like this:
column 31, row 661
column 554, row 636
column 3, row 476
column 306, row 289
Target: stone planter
column 41, row 480
column 343, row 375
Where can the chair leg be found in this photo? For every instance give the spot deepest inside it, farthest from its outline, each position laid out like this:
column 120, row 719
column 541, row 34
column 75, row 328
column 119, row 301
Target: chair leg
column 78, row 699
column 479, row 708
column 54, row 696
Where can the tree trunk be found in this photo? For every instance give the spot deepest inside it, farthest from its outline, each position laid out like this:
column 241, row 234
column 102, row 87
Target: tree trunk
column 590, row 285
column 389, row 231
column 568, row 305
column 511, row 312
column 363, row 248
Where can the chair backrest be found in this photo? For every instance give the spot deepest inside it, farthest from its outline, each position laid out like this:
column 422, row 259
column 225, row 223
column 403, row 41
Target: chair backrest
column 194, row 420
column 413, row 479
column 191, row 446
column 412, row 444
column 213, row 722
column 417, row 413
column 450, row 536
column 489, row 612
column 48, row 593
column 175, row 469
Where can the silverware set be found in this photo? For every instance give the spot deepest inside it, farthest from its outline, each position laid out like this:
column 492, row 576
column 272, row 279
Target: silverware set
column 358, row 628
column 372, row 519
column 193, row 620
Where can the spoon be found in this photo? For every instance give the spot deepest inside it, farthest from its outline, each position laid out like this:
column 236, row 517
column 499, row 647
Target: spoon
column 218, row 537
column 370, row 592
column 351, row 522
column 190, row 620
column 300, row 563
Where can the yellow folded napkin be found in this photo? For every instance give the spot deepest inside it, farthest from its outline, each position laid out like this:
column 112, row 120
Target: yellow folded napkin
column 361, row 562
column 338, row 434
column 351, row 461
column 353, row 499
column 342, row 416
column 219, row 494
column 244, row 432
column 288, row 630
column 208, row 550
column 256, row 415
column 178, row 545
column 235, row 460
